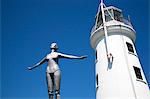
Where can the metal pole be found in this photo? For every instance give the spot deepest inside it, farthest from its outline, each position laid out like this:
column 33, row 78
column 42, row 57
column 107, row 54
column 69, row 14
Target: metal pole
column 105, row 28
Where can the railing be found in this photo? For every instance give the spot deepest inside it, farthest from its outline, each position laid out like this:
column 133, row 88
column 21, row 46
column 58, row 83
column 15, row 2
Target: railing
column 125, row 21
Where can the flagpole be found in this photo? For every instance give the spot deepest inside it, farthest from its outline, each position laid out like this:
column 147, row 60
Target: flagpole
column 109, row 55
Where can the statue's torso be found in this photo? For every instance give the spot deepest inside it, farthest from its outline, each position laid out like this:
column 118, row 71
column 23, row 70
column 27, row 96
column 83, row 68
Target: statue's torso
column 52, row 62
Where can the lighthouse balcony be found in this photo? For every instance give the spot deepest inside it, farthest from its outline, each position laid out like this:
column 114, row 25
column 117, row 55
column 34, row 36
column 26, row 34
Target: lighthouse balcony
column 113, row 22
column 114, row 27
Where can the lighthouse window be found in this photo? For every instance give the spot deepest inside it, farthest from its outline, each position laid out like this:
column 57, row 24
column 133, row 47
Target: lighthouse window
column 130, row 47
column 118, row 15
column 97, row 79
column 138, row 73
column 99, row 19
column 96, row 57
column 96, row 54
column 107, row 15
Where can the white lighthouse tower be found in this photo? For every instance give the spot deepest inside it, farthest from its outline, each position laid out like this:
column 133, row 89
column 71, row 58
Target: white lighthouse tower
column 119, row 74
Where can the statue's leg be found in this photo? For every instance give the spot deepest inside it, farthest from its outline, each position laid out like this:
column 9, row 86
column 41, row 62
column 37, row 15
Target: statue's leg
column 50, row 85
column 57, row 78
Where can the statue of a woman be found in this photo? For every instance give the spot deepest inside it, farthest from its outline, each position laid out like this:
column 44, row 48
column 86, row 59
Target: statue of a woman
column 53, row 73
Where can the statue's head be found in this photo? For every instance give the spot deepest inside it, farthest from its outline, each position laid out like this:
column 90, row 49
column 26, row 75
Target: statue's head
column 54, row 46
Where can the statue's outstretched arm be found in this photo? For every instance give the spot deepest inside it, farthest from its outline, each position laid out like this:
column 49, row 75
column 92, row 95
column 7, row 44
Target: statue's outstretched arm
column 71, row 56
column 38, row 64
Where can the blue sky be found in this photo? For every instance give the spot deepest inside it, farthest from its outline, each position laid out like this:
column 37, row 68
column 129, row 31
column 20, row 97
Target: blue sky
column 30, row 26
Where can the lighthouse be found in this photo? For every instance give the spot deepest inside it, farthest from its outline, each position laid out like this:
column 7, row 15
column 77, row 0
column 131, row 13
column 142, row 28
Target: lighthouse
column 118, row 72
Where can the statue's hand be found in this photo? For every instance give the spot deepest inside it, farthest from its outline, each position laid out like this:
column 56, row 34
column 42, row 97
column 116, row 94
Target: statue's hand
column 29, row 68
column 85, row 56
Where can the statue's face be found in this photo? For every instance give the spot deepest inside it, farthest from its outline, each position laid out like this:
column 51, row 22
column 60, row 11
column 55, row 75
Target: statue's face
column 54, row 46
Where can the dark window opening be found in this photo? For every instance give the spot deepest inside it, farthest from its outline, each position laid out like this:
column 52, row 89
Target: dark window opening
column 118, row 15
column 97, row 79
column 130, row 47
column 138, row 72
column 96, row 54
column 107, row 15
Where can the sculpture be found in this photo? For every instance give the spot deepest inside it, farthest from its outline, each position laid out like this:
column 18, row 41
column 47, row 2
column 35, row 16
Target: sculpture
column 53, row 73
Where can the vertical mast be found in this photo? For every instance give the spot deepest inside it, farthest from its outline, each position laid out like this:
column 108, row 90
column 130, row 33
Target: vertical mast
column 109, row 55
